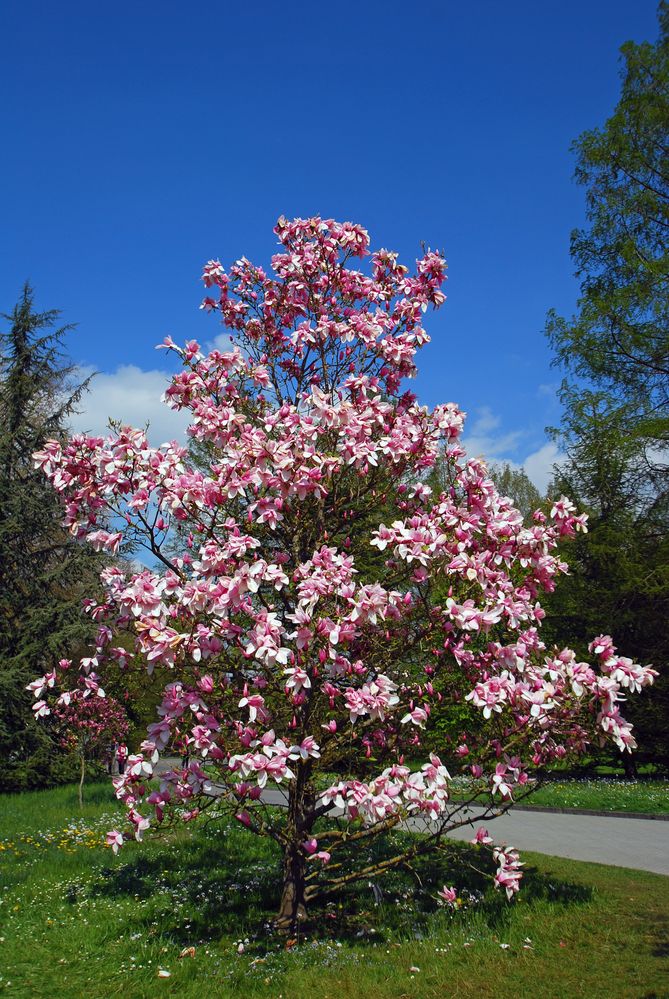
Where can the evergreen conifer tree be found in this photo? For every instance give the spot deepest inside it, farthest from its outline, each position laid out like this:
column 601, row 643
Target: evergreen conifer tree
column 43, row 571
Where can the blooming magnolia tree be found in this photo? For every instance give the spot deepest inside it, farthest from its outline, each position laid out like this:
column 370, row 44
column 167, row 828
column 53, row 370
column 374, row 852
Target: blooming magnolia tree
column 308, row 645
column 90, row 721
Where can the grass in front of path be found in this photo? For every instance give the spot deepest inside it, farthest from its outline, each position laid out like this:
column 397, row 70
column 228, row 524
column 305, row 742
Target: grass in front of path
column 78, row 921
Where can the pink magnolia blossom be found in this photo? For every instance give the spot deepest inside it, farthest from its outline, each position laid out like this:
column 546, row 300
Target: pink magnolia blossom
column 114, row 840
column 508, row 874
column 482, row 837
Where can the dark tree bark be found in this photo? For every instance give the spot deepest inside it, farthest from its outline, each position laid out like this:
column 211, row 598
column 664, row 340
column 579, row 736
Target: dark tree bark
column 293, row 905
column 294, row 895
column 81, row 781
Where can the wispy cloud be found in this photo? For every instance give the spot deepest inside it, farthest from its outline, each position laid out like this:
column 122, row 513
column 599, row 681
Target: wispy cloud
column 485, row 437
column 482, row 440
column 132, row 396
column 223, row 342
column 548, row 390
column 539, row 465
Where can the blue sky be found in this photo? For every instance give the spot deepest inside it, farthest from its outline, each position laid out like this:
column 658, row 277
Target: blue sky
column 142, row 139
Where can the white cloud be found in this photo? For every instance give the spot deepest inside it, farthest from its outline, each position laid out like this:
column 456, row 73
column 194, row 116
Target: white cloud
column 504, row 448
column 480, row 441
column 132, row 396
column 548, row 390
column 485, row 421
column 539, row 465
column 223, row 342
column 657, row 455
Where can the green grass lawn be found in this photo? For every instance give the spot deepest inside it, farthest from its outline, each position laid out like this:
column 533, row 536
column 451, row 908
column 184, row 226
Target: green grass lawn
column 605, row 794
column 77, row 921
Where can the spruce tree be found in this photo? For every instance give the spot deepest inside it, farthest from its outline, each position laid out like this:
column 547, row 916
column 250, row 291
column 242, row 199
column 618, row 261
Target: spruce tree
column 43, row 571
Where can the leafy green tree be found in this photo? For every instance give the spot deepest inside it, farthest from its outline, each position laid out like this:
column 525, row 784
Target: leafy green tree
column 619, row 338
column 44, row 573
column 619, row 571
column 615, row 350
column 515, row 483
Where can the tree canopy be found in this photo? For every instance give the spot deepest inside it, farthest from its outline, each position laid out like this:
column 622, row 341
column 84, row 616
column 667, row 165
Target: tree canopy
column 615, row 352
column 619, row 338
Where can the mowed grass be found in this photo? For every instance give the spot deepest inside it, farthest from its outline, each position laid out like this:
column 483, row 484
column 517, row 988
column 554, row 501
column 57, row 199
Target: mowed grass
column 77, row 921
column 601, row 794
column 605, row 794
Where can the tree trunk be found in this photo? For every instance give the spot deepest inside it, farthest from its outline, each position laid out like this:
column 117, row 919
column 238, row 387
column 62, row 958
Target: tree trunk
column 292, row 909
column 81, row 781
column 629, row 764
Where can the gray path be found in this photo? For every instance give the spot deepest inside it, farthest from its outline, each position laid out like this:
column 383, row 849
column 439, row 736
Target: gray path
column 637, row 843
column 640, row 844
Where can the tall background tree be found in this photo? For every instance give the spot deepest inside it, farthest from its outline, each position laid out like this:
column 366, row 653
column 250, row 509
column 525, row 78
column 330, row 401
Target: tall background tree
column 615, row 350
column 43, row 571
column 517, row 485
column 619, row 338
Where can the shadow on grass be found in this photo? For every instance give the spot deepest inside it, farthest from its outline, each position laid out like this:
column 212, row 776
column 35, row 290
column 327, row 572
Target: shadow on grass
column 197, row 887
column 225, row 882
column 660, row 944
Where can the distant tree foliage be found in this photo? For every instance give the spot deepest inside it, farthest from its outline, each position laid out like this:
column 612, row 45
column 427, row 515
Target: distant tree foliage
column 43, row 571
column 619, row 571
column 517, row 485
column 619, row 338
column 615, row 350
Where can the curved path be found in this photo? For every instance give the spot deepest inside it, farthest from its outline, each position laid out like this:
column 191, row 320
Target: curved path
column 640, row 844
column 637, row 843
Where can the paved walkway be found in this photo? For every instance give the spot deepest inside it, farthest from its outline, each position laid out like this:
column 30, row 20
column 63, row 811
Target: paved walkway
column 637, row 843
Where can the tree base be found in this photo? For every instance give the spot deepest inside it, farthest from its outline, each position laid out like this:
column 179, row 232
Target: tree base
column 293, row 910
